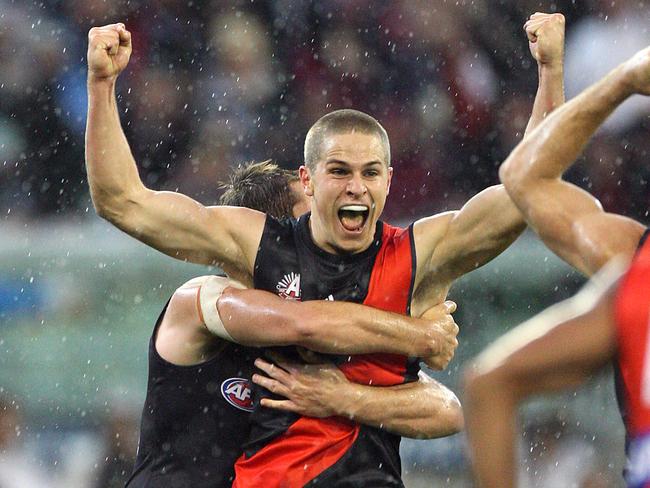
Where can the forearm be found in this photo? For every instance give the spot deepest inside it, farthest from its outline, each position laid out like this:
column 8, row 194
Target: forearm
column 549, row 150
column 259, row 318
column 550, row 94
column 491, row 416
column 112, row 171
column 425, row 409
column 558, row 348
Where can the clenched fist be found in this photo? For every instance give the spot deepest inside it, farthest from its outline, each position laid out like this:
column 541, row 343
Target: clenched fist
column 545, row 34
column 443, row 332
column 109, row 50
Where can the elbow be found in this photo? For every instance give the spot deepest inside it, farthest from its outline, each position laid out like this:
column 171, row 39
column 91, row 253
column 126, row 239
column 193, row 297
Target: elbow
column 446, row 419
column 480, row 385
column 455, row 418
column 451, row 419
column 115, row 207
column 107, row 205
column 509, row 174
column 105, row 211
column 499, row 387
column 521, row 173
column 473, row 384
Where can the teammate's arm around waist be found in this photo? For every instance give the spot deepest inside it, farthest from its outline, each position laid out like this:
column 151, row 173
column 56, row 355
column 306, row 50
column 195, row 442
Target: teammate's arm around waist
column 423, row 409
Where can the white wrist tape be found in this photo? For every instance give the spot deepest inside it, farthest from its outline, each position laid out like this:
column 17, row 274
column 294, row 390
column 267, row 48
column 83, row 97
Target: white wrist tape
column 209, row 292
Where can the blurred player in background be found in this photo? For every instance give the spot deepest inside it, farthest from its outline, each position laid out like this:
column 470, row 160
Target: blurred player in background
column 339, row 251
column 609, row 320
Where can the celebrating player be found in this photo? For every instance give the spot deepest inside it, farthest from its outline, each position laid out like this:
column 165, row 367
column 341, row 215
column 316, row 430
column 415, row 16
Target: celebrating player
column 339, row 251
column 196, row 414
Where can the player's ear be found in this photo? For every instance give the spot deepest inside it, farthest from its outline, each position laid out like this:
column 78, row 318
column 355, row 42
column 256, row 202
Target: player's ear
column 390, row 178
column 306, row 181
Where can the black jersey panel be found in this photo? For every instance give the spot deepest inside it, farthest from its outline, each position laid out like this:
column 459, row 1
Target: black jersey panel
column 193, row 425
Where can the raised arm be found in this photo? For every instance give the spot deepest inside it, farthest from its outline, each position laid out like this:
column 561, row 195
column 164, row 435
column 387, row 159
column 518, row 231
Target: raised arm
column 424, row 409
column 545, row 34
column 559, row 348
column 170, row 222
column 570, row 221
column 489, row 222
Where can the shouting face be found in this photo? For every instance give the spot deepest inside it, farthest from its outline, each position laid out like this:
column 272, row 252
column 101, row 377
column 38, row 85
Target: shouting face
column 348, row 186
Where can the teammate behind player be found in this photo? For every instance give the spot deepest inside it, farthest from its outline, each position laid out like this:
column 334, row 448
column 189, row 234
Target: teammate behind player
column 340, row 250
column 196, row 414
column 564, row 346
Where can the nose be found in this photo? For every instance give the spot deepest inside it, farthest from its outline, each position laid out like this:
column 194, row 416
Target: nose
column 356, row 186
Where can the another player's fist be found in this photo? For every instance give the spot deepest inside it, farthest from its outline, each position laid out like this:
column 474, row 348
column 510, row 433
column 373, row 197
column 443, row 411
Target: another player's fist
column 443, row 332
column 109, row 50
column 545, row 34
column 636, row 72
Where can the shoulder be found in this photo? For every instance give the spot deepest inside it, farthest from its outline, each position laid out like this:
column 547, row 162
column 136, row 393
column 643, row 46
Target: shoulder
column 183, row 302
column 429, row 232
column 182, row 338
column 280, row 233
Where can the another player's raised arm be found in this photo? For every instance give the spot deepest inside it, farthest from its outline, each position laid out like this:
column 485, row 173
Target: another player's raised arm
column 168, row 221
column 423, row 409
column 259, row 318
column 570, row 221
column 557, row 349
column 490, row 221
column 545, row 34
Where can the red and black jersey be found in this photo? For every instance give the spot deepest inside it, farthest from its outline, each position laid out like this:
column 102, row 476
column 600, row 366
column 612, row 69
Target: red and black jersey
column 194, row 421
column 632, row 317
column 288, row 450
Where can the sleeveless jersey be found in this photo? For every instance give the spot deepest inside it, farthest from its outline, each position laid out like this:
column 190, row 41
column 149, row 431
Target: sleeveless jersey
column 632, row 318
column 288, row 450
column 195, row 420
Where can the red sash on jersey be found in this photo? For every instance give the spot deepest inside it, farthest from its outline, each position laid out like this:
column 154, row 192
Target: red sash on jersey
column 632, row 316
column 632, row 310
column 310, row 446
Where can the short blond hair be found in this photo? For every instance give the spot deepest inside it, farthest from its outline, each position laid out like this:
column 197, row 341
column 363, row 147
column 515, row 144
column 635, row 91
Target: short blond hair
column 341, row 122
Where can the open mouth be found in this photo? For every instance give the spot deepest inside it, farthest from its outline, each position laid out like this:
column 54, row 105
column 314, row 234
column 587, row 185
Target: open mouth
column 353, row 217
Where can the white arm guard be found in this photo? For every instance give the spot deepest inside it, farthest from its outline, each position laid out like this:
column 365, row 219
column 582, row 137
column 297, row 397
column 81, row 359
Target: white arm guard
column 209, row 292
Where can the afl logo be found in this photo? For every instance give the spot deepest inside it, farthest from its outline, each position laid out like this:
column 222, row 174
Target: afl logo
column 237, row 392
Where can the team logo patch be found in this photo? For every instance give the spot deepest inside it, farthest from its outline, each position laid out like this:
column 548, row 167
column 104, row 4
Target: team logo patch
column 289, row 286
column 237, row 392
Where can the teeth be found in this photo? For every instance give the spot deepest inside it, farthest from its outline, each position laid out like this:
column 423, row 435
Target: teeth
column 355, row 208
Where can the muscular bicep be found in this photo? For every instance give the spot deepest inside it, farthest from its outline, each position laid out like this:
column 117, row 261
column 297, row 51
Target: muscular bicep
column 573, row 225
column 486, row 225
column 185, row 229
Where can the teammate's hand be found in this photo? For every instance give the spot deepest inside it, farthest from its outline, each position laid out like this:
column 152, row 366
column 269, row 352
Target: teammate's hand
column 443, row 332
column 636, row 72
column 310, row 389
column 545, row 34
column 109, row 50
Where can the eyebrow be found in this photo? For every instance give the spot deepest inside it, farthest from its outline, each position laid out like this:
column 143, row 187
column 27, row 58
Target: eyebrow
column 338, row 161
